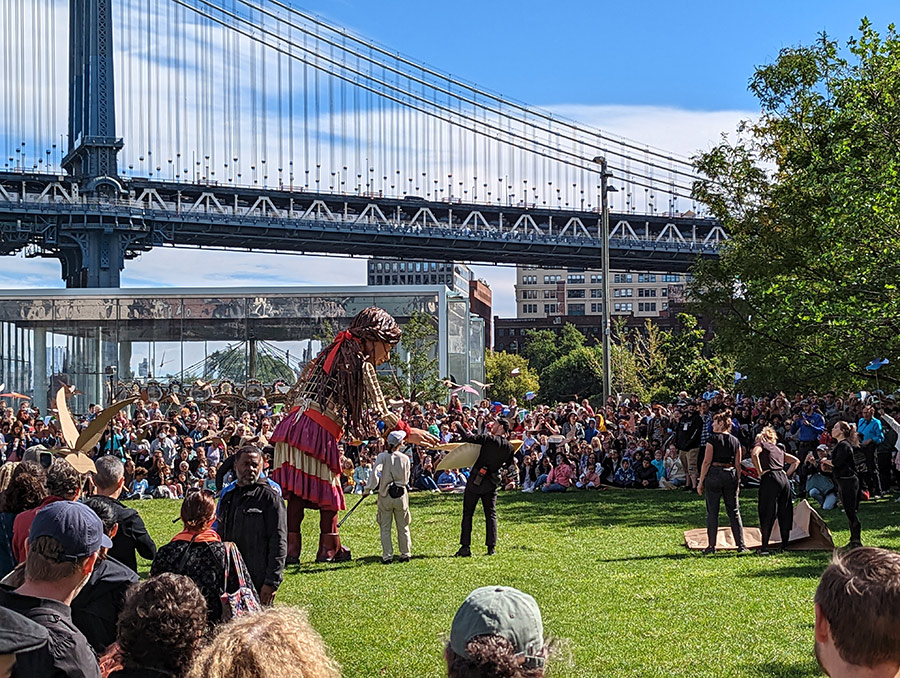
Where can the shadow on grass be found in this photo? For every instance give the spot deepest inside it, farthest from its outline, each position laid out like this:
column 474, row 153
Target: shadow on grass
column 784, row 669
column 661, row 556
column 810, row 568
column 311, row 568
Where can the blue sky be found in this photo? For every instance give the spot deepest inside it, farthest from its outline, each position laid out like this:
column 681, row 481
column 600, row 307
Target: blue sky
column 670, row 74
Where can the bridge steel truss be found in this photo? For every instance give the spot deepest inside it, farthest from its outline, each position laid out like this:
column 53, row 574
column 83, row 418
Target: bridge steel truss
column 93, row 235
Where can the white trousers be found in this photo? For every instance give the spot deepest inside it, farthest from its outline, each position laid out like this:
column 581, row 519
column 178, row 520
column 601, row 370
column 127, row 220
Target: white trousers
column 394, row 511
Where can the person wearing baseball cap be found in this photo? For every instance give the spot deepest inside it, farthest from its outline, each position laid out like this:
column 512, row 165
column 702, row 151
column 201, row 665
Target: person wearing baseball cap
column 497, row 631
column 63, row 545
column 391, row 477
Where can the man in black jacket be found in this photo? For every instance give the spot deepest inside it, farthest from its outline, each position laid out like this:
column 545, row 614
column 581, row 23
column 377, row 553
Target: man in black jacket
column 484, row 480
column 687, row 431
column 252, row 515
column 132, row 534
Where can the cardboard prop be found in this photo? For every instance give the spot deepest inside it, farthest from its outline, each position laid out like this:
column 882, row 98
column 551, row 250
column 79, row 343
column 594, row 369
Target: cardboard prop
column 808, row 533
column 464, row 455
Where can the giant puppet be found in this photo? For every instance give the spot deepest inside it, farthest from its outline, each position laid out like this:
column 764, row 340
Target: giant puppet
column 337, row 394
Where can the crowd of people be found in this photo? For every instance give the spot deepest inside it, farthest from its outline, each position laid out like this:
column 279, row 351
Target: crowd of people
column 229, row 559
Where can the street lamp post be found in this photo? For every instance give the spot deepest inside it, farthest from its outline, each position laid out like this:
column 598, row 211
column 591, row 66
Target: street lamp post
column 605, row 174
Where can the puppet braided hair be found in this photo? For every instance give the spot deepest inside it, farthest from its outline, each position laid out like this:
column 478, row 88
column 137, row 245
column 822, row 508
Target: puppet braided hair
column 347, row 388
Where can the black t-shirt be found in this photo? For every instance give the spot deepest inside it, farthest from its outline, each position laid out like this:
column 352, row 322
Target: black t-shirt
column 842, row 461
column 771, row 457
column 725, row 447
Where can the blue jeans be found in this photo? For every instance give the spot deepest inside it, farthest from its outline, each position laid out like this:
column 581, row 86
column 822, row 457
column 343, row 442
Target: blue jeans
column 427, row 483
column 553, row 487
column 540, row 481
column 828, row 502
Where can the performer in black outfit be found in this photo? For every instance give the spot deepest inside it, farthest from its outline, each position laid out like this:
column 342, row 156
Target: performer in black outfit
column 484, row 480
column 774, row 488
column 843, row 470
column 719, row 476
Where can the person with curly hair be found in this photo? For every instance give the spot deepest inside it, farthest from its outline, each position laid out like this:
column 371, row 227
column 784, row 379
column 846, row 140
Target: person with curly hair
column 25, row 491
column 276, row 643
column 161, row 628
column 497, row 633
column 334, row 396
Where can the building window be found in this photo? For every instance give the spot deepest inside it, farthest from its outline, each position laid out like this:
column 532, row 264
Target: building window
column 652, row 306
column 617, row 307
column 596, row 294
column 669, row 277
column 549, row 308
column 575, row 279
column 627, row 307
column 664, row 292
column 665, row 306
column 596, row 308
column 597, row 279
column 549, row 294
column 575, row 294
column 576, row 309
column 629, row 292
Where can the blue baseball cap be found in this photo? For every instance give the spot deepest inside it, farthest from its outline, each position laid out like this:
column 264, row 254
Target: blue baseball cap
column 76, row 527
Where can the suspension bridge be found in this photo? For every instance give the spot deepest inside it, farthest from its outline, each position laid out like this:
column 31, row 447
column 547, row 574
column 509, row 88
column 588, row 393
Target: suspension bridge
column 252, row 124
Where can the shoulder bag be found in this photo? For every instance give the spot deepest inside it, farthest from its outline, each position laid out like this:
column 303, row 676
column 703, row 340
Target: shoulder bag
column 244, row 600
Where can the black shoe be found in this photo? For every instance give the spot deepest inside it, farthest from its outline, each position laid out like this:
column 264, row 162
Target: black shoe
column 464, row 552
column 854, row 545
column 709, row 551
column 764, row 552
column 742, row 549
column 403, row 559
column 491, row 551
column 387, row 561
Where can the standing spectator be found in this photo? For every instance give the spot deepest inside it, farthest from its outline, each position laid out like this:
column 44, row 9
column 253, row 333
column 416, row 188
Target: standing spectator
column 497, row 631
column 688, row 431
column 857, row 607
column 63, row 484
column 719, row 476
column 96, row 608
column 18, row 635
column 252, row 515
column 26, row 491
column 276, row 643
column 132, row 536
column 64, row 541
column 807, row 428
column 161, row 628
column 197, row 551
column 870, row 437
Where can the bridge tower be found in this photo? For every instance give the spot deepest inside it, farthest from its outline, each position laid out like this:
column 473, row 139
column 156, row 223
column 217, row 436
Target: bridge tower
column 94, row 253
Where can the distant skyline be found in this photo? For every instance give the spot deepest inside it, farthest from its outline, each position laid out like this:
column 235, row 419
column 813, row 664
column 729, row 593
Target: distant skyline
column 665, row 74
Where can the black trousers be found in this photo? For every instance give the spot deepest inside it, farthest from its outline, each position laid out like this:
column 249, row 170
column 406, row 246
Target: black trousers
column 722, row 483
column 885, row 463
column 775, row 502
column 487, row 493
column 871, row 480
column 848, row 493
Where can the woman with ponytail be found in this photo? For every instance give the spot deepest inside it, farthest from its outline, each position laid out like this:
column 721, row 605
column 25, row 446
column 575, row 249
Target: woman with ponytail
column 337, row 394
column 843, row 468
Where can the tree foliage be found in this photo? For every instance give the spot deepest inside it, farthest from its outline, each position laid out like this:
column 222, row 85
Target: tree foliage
column 499, row 371
column 544, row 347
column 574, row 375
column 805, row 293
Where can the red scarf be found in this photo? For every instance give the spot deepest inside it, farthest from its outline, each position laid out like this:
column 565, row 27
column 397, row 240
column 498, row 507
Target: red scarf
column 332, row 354
column 207, row 536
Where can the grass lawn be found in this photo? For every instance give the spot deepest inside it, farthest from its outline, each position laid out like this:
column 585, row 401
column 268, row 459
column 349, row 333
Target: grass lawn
column 609, row 570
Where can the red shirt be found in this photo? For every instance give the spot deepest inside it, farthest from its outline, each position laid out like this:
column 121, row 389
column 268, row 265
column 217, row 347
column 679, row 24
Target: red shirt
column 22, row 526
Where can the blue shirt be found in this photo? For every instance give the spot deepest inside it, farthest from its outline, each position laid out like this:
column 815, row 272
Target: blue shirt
column 660, row 468
column 808, row 433
column 870, row 430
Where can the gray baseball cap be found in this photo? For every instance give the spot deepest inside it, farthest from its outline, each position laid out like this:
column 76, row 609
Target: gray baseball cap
column 501, row 611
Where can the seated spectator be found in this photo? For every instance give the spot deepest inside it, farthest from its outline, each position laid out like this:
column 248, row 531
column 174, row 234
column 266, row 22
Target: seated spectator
column 18, row 635
column 63, row 544
column 276, row 643
column 161, row 628
column 509, row 476
column 819, row 485
column 96, row 608
column 527, row 474
column 451, row 480
column 659, row 464
column 361, row 474
column 497, row 631
column 624, row 476
column 675, row 473
column 140, row 488
column 425, row 479
column 26, row 491
column 857, row 606
column 545, row 466
column 645, row 477
column 561, row 477
column 589, row 479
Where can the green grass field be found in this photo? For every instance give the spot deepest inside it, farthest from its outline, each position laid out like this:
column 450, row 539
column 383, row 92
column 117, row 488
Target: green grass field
column 615, row 584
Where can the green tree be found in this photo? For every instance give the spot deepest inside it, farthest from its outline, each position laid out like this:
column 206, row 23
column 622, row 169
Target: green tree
column 499, row 371
column 805, row 292
column 544, row 347
column 420, row 372
column 575, row 375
